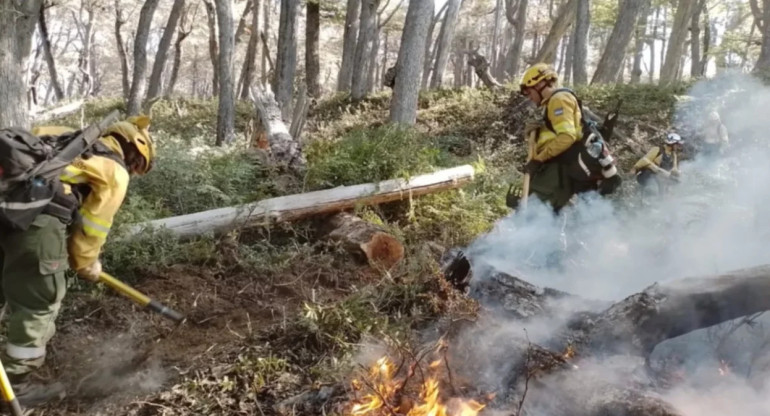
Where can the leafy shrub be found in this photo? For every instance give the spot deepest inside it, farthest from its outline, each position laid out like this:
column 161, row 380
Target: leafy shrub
column 368, row 155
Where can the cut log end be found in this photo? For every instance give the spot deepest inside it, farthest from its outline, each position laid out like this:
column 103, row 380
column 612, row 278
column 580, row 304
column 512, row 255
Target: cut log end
column 383, row 250
column 365, row 240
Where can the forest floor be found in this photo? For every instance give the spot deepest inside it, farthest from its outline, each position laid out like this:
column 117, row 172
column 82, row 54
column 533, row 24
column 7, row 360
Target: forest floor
column 272, row 313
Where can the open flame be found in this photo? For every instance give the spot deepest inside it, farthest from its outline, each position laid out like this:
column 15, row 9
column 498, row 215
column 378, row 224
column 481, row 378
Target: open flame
column 386, row 396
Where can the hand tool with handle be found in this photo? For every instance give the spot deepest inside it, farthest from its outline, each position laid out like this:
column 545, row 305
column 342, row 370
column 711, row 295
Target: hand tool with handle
column 7, row 391
column 140, row 298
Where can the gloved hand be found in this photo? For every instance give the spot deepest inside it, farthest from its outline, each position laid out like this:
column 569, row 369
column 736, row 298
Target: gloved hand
column 91, row 272
column 533, row 166
column 675, row 173
column 610, row 185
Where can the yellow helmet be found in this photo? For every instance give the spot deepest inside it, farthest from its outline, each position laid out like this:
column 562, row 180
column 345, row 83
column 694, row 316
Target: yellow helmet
column 536, row 73
column 135, row 130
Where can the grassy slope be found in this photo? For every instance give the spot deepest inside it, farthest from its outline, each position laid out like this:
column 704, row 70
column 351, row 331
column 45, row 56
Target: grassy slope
column 273, row 311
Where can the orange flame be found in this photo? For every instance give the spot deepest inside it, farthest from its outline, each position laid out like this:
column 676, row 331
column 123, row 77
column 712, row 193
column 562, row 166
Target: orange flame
column 430, row 403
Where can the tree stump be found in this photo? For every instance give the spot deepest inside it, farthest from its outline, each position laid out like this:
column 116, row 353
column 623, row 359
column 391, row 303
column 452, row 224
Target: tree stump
column 364, row 240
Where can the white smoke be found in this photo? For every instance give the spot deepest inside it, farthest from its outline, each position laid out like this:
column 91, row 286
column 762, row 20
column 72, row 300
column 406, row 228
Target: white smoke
column 712, row 221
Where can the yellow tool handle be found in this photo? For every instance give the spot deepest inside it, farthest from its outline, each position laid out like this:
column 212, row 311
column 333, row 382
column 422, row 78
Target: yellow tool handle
column 7, row 392
column 139, row 297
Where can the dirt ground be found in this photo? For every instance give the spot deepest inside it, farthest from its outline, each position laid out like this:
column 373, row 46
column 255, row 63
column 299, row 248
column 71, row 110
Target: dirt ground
column 113, row 357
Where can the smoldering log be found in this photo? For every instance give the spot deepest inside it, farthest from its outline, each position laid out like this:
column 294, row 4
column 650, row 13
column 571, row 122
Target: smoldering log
column 364, row 239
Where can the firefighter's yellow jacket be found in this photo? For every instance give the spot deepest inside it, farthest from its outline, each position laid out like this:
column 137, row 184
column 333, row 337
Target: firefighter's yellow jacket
column 655, row 157
column 563, row 112
column 108, row 182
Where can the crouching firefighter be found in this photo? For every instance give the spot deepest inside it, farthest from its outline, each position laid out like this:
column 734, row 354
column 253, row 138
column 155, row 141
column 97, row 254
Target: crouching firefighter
column 661, row 162
column 40, row 241
column 570, row 156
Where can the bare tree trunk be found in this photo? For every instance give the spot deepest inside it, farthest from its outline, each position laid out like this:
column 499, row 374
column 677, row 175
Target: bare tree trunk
column 363, row 48
column 430, row 51
column 706, row 41
column 181, row 35
column 264, row 37
column 373, row 59
column 85, row 31
column 565, row 17
column 762, row 19
column 582, row 24
column 676, row 41
column 312, row 56
column 211, row 19
column 242, row 23
column 385, row 52
column 349, row 45
column 403, row 104
column 496, row 33
column 286, row 57
column 568, row 59
column 639, row 35
column 518, row 18
column 612, row 58
column 695, row 45
column 153, row 89
column 250, row 61
column 124, row 68
column 17, row 25
column 652, row 44
column 226, row 112
column 49, row 59
column 445, row 37
column 664, row 39
column 134, row 105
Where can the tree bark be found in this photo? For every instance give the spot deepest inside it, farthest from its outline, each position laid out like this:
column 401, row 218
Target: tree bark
column 364, row 240
column 284, row 149
column 153, row 88
column 17, row 25
column 676, row 41
column 403, row 104
column 496, row 33
column 299, row 206
column 695, row 57
column 349, row 45
column 122, row 54
column 481, row 67
column 519, row 21
column 242, row 23
column 226, row 111
column 445, row 38
column 430, row 54
column 762, row 19
column 639, row 42
column 366, row 31
column 134, row 105
column 570, row 53
column 211, row 20
column 49, row 58
column 565, row 17
column 652, row 44
column 264, row 37
column 182, row 33
column 286, row 57
column 706, row 40
column 312, row 55
column 612, row 58
column 372, row 58
column 250, row 61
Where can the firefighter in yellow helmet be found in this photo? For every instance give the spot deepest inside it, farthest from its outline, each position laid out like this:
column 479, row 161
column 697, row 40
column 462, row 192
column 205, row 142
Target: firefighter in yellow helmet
column 71, row 231
column 558, row 167
column 660, row 162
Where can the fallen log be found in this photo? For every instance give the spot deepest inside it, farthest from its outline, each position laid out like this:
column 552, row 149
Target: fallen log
column 284, row 149
column 295, row 207
column 364, row 239
column 60, row 111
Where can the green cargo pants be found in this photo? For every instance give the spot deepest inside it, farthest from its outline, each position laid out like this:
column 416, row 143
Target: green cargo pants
column 552, row 185
column 33, row 282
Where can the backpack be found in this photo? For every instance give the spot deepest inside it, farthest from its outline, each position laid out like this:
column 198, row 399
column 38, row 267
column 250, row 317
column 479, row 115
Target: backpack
column 588, row 160
column 30, row 167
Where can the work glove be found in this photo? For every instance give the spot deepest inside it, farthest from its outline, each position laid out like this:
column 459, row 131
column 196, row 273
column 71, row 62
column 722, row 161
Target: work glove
column 533, row 166
column 91, row 272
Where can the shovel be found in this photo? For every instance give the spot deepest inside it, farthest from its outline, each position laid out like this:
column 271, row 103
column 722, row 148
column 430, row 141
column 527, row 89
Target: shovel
column 530, row 152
